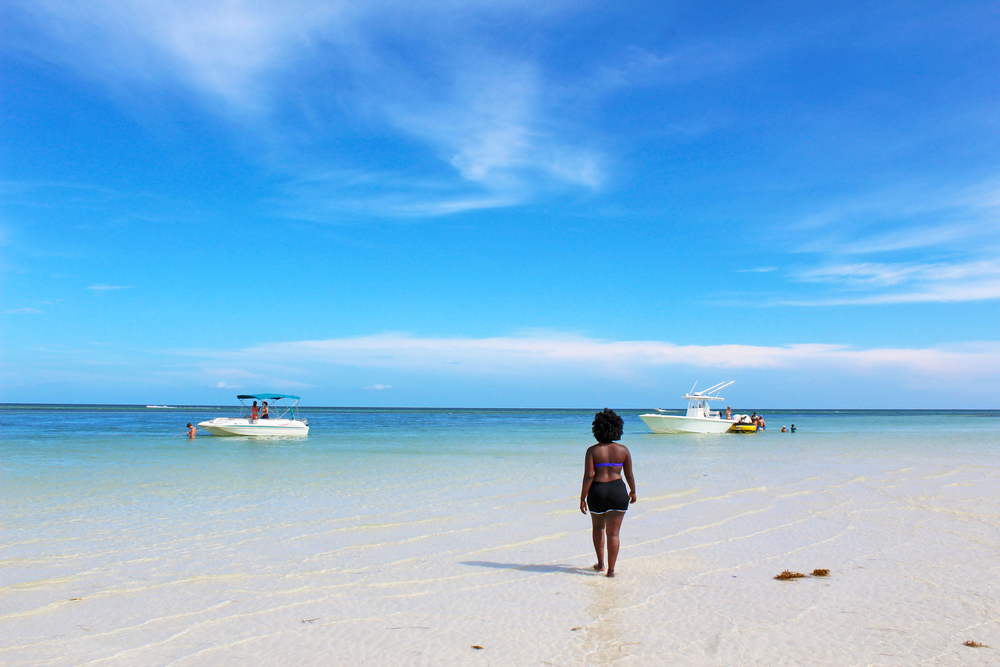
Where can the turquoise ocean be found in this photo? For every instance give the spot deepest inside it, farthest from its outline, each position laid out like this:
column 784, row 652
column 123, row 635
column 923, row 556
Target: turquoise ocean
column 406, row 536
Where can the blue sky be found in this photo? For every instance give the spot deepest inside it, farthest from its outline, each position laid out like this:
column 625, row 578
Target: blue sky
column 566, row 204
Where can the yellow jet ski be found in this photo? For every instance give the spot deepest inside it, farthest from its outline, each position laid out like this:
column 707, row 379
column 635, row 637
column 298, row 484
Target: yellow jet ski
column 743, row 428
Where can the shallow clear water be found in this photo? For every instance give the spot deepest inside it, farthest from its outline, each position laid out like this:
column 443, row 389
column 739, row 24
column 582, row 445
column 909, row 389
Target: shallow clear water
column 176, row 547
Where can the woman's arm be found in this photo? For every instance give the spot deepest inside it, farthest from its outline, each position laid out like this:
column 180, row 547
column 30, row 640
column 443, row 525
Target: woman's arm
column 588, row 478
column 627, row 470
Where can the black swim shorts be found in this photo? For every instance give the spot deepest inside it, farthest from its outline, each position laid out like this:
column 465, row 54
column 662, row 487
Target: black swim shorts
column 607, row 497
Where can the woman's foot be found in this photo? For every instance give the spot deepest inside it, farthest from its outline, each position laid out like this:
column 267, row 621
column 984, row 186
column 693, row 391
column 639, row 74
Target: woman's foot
column 599, row 567
column 610, row 574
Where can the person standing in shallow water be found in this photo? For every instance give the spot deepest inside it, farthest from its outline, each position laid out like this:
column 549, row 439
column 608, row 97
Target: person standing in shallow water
column 604, row 493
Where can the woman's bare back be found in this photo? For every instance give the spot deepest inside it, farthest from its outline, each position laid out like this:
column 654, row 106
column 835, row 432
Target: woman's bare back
column 608, row 452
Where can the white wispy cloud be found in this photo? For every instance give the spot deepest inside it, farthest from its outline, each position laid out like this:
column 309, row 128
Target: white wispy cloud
column 877, row 283
column 100, row 287
column 219, row 49
column 954, row 232
column 905, row 217
column 488, row 124
column 22, row 311
column 689, row 61
column 539, row 355
column 488, row 113
column 550, row 369
column 338, row 195
column 865, row 274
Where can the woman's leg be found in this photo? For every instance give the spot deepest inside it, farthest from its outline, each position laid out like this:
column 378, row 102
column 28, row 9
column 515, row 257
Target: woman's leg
column 598, row 521
column 612, row 525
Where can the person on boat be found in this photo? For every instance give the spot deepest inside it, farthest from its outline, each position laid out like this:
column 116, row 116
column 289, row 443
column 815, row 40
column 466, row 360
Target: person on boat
column 604, row 493
column 263, row 412
column 191, row 431
column 729, row 412
column 253, row 411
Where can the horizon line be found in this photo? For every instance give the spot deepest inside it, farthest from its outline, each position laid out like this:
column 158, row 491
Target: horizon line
column 404, row 407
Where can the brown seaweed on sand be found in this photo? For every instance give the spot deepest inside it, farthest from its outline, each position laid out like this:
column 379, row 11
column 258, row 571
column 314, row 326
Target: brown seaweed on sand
column 974, row 644
column 477, row 647
column 787, row 574
column 821, row 573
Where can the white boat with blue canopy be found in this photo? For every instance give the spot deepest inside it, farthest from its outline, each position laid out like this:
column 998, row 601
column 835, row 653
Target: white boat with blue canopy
column 282, row 417
column 699, row 417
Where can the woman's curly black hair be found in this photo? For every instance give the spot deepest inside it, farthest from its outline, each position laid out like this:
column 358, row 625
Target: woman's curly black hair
column 608, row 426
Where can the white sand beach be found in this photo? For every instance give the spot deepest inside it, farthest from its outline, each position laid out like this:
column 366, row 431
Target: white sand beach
column 289, row 564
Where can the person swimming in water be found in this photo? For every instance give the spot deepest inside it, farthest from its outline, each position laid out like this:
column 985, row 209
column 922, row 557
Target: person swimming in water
column 191, row 431
column 604, row 493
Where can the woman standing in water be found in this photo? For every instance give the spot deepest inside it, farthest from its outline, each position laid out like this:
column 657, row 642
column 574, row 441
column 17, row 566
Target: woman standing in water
column 603, row 489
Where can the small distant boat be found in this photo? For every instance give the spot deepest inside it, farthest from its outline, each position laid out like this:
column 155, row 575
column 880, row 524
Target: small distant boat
column 161, row 407
column 699, row 417
column 284, row 422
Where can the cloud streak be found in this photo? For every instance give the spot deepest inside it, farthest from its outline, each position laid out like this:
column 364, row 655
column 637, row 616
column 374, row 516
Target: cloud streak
column 936, row 282
column 954, row 231
column 523, row 371
column 534, row 356
column 437, row 78
column 762, row 269
column 905, row 218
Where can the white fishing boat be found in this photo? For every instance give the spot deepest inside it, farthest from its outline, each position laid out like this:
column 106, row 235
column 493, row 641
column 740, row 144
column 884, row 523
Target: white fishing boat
column 281, row 418
column 699, row 417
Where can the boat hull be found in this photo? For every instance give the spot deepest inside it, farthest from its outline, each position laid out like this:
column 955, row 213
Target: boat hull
column 259, row 427
column 676, row 424
column 744, row 428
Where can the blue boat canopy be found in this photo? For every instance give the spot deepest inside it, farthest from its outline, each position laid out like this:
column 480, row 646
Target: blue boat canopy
column 267, row 397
